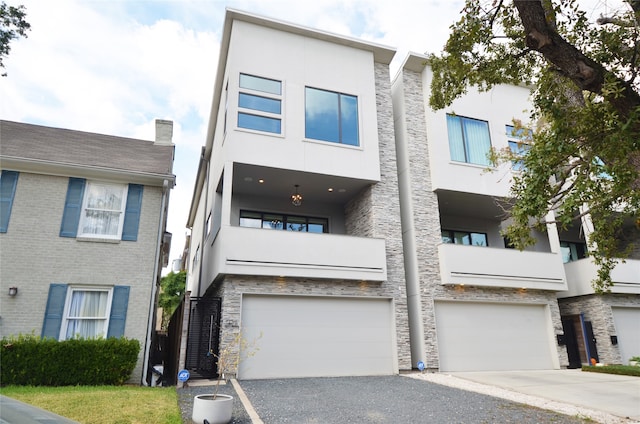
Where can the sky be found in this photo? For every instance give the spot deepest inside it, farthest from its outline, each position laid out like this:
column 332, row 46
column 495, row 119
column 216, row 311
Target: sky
column 115, row 66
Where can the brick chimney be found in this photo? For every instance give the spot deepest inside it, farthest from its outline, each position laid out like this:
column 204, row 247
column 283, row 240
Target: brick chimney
column 164, row 132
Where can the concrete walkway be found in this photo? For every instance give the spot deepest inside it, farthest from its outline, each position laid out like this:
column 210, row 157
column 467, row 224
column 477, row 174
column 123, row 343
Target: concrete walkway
column 614, row 394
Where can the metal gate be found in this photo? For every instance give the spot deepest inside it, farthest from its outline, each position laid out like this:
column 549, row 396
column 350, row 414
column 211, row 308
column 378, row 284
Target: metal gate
column 203, row 337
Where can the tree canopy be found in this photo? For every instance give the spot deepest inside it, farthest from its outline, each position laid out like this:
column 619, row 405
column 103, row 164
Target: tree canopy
column 584, row 156
column 12, row 26
column 172, row 290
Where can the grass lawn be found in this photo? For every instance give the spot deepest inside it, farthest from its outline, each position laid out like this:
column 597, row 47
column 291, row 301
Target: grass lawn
column 103, row 404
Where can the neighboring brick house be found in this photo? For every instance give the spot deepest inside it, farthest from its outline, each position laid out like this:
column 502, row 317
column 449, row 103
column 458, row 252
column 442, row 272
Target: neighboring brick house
column 483, row 305
column 82, row 232
column 318, row 284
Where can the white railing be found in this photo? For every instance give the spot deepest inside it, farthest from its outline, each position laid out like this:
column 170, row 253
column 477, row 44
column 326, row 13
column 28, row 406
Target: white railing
column 492, row 267
column 580, row 274
column 252, row 251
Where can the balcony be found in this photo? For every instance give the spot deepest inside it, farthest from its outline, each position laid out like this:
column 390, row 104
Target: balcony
column 251, row 251
column 490, row 267
column 625, row 277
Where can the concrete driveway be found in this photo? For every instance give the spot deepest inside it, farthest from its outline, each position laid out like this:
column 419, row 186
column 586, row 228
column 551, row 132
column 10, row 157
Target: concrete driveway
column 613, row 394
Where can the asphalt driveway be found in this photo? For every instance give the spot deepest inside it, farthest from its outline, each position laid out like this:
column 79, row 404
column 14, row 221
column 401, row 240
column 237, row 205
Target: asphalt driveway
column 367, row 400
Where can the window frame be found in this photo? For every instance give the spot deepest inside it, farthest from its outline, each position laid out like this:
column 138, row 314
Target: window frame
column 67, row 307
column 284, row 221
column 244, row 112
column 83, row 211
column 340, row 118
column 466, row 140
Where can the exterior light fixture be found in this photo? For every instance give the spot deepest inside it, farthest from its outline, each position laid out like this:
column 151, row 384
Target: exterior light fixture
column 13, row 291
column 296, row 198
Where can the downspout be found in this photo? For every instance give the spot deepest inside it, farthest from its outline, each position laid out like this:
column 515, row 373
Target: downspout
column 154, row 289
column 409, row 249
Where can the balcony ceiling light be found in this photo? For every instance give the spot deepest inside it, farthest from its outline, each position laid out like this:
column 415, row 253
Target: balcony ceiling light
column 296, row 198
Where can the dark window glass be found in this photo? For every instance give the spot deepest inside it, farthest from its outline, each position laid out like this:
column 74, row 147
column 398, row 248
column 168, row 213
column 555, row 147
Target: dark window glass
column 265, row 85
column 283, row 222
column 331, row 116
column 259, row 123
column 572, row 251
column 260, row 103
column 272, row 222
column 464, row 237
column 469, row 139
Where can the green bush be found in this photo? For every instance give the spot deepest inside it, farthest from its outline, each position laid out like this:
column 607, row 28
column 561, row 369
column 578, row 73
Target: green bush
column 32, row 361
column 614, row 369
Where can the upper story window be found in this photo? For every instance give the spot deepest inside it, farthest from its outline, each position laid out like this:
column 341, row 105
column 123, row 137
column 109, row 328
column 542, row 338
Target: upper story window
column 331, row 116
column 103, row 210
column 100, row 210
column 273, row 221
column 469, row 140
column 464, row 237
column 518, row 144
column 260, row 104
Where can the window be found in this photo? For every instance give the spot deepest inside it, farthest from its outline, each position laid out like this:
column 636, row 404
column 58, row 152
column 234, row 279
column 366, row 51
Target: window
column 101, row 210
column 464, row 237
column 8, row 182
column 469, row 140
column 331, row 116
column 572, row 251
column 518, row 144
column 272, row 221
column 85, row 312
column 260, row 104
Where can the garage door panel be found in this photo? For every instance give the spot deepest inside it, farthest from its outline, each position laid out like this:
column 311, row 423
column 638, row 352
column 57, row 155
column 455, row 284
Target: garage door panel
column 317, row 336
column 627, row 322
column 490, row 336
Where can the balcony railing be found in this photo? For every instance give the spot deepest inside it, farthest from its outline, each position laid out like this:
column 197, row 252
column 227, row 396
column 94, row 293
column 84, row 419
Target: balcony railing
column 491, row 267
column 625, row 276
column 253, row 251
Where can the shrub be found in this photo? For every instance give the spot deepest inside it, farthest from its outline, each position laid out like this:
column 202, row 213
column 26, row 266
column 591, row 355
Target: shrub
column 30, row 360
column 615, row 369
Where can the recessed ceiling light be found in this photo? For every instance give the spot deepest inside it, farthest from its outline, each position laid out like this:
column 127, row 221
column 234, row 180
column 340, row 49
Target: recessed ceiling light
column 330, row 189
column 248, row 179
column 261, row 181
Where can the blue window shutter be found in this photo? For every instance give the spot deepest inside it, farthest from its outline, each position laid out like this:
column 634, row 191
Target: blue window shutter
column 53, row 314
column 72, row 208
column 132, row 213
column 8, row 182
column 118, row 315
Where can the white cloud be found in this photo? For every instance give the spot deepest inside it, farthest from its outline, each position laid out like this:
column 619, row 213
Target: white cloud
column 113, row 67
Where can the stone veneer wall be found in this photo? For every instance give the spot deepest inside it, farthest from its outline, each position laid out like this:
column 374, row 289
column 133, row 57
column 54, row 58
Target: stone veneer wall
column 597, row 309
column 427, row 233
column 375, row 212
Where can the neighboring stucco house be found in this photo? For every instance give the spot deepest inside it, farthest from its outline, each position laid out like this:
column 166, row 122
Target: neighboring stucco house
column 295, row 220
column 82, row 232
column 481, row 304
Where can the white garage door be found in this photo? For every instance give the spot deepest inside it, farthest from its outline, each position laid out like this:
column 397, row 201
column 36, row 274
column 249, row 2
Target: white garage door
column 627, row 321
column 299, row 336
column 490, row 336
